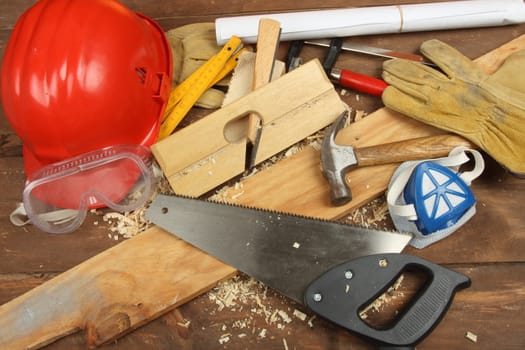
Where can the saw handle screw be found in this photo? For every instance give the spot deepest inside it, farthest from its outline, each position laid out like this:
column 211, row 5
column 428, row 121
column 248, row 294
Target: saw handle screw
column 349, row 274
column 383, row 262
column 317, row 297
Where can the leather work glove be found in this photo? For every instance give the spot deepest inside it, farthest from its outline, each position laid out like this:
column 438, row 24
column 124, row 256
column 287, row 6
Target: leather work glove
column 488, row 110
column 192, row 45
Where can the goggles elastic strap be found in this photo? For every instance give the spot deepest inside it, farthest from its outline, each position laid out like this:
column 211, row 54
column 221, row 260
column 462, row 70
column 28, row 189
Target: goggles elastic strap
column 18, row 217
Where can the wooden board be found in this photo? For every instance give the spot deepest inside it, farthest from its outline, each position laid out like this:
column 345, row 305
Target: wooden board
column 213, row 149
column 139, row 297
column 111, row 293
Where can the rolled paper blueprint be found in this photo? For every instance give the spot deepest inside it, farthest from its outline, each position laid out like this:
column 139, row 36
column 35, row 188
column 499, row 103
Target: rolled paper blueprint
column 377, row 20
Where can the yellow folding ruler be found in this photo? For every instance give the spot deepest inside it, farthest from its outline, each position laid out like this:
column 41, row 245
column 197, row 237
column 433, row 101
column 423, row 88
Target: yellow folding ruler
column 186, row 94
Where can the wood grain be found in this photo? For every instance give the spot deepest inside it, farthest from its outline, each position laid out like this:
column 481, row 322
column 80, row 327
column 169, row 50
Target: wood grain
column 291, row 108
column 111, row 294
column 489, row 248
column 410, row 149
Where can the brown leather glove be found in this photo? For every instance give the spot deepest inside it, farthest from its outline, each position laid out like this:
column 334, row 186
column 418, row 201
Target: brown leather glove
column 489, row 110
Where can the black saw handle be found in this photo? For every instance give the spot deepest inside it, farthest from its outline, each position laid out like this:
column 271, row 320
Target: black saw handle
column 340, row 293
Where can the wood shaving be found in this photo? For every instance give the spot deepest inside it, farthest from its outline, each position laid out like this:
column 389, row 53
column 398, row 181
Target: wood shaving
column 371, row 215
column 311, row 321
column 237, row 195
column 235, row 291
column 243, row 292
column 186, row 324
column 284, row 316
column 383, row 299
column 359, row 114
column 262, row 334
column 380, row 211
column 299, row 314
column 472, row 337
column 224, row 338
column 129, row 224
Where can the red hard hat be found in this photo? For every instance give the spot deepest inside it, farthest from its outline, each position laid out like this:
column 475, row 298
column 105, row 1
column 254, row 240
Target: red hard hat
column 80, row 75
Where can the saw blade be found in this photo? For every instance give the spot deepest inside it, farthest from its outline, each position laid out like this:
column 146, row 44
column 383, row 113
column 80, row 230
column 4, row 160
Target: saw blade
column 284, row 251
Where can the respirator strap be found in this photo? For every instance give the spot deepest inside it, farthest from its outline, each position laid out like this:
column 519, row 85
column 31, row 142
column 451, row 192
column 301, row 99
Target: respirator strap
column 404, row 215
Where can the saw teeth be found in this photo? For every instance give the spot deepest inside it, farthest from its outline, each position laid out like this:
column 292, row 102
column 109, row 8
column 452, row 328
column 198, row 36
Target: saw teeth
column 269, row 211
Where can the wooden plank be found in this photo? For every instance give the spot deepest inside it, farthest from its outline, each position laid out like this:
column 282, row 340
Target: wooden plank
column 111, row 293
column 291, row 108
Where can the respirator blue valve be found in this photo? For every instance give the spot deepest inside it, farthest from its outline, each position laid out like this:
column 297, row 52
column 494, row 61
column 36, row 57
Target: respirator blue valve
column 440, row 197
column 431, row 199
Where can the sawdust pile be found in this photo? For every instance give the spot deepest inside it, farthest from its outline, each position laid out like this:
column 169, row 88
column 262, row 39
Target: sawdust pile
column 371, row 215
column 129, row 224
column 265, row 320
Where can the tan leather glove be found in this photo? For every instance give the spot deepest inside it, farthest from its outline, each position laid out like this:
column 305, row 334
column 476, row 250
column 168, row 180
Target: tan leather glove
column 193, row 45
column 489, row 110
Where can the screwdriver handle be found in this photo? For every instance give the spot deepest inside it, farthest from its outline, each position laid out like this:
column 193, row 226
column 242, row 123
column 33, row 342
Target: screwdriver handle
column 359, row 82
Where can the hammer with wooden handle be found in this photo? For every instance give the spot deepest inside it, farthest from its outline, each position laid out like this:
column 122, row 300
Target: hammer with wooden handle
column 336, row 159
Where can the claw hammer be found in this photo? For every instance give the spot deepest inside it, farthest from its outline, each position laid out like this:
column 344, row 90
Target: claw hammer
column 337, row 160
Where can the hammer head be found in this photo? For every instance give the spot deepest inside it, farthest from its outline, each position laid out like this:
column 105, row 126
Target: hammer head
column 336, row 161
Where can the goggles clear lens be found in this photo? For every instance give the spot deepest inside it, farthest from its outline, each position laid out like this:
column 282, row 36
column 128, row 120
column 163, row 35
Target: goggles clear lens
column 58, row 196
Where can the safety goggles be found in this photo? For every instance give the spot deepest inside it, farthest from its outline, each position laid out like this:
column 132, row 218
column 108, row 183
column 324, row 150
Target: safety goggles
column 58, row 196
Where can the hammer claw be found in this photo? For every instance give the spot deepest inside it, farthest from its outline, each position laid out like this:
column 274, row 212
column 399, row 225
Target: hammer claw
column 335, row 160
column 340, row 123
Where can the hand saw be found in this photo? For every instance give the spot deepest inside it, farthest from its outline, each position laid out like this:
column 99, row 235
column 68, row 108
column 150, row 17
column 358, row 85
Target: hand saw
column 334, row 269
column 184, row 96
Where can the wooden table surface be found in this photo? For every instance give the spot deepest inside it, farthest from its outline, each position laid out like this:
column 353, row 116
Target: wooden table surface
column 489, row 248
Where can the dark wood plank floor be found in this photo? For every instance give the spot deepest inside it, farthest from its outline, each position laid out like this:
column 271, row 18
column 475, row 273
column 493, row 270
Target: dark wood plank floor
column 489, row 249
